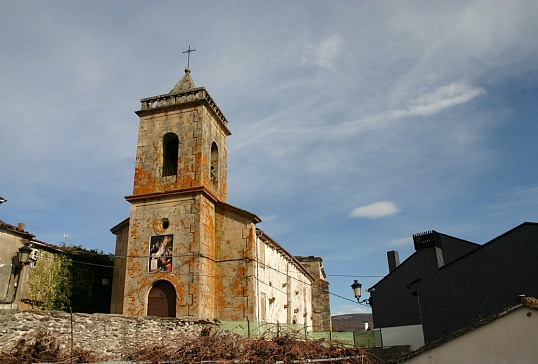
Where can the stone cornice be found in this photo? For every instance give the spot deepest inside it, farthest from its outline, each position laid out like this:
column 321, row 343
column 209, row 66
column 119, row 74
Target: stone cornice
column 185, row 191
column 226, row 206
column 168, row 102
column 272, row 242
column 191, row 191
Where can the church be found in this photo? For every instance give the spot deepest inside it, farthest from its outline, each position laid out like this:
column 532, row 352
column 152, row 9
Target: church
column 184, row 251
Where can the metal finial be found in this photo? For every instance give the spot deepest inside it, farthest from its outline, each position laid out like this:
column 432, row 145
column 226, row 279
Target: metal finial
column 189, row 56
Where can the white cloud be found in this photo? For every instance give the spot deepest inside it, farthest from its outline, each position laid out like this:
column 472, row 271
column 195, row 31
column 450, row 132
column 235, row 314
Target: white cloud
column 315, row 94
column 375, row 210
column 444, row 97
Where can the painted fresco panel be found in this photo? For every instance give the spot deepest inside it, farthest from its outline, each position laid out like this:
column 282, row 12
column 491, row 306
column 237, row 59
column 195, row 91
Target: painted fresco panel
column 161, row 249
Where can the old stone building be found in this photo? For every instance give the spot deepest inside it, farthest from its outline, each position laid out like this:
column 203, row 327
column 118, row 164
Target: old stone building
column 185, row 251
column 38, row 275
column 321, row 310
column 12, row 274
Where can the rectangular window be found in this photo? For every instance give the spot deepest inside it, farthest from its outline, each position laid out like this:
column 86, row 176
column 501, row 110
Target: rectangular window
column 263, row 307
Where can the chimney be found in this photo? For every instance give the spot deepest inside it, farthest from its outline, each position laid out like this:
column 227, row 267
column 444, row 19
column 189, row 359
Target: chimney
column 21, row 226
column 394, row 260
column 430, row 239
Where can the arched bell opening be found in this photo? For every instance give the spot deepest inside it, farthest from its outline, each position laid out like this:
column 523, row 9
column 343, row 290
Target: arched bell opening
column 214, row 169
column 170, row 154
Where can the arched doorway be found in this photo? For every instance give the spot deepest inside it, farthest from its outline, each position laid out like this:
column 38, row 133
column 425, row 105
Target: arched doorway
column 162, row 300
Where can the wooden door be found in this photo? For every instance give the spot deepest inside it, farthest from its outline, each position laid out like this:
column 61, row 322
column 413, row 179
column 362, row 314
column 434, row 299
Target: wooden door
column 162, row 300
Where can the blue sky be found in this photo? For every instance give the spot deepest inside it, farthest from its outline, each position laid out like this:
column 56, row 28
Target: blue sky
column 355, row 123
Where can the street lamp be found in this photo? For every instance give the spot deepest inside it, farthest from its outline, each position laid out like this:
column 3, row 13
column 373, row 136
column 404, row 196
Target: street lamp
column 105, row 280
column 24, row 254
column 357, row 292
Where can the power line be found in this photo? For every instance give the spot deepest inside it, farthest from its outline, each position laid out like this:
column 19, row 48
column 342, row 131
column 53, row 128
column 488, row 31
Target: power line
column 347, row 275
column 192, row 257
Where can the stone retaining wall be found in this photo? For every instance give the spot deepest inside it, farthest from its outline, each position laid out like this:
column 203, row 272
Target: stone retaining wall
column 110, row 336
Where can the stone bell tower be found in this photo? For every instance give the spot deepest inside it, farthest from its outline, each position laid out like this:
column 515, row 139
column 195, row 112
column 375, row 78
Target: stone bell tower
column 180, row 178
column 181, row 143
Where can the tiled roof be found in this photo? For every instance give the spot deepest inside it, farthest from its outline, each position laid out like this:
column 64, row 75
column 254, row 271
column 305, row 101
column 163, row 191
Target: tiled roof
column 31, row 237
column 40, row 243
column 120, row 225
column 12, row 228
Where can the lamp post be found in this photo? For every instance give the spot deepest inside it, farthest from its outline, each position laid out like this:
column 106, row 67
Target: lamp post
column 24, row 254
column 357, row 292
column 19, row 260
column 105, row 280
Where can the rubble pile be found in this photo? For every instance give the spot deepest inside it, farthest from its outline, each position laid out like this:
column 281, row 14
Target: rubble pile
column 218, row 347
column 230, row 349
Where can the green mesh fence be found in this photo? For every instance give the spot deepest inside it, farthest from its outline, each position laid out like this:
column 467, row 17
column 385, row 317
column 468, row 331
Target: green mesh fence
column 255, row 330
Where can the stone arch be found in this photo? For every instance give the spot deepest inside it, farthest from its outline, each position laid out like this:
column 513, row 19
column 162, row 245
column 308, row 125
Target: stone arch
column 162, row 300
column 170, row 154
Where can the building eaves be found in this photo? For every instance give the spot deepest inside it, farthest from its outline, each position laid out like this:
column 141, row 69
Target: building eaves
column 491, row 242
column 41, row 244
column 250, row 215
column 15, row 229
column 409, row 258
column 32, row 241
column 461, row 240
column 520, row 226
column 312, row 258
column 273, row 243
column 119, row 226
column 478, row 246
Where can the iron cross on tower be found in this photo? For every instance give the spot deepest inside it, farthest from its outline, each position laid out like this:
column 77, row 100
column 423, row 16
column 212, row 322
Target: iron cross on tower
column 189, row 56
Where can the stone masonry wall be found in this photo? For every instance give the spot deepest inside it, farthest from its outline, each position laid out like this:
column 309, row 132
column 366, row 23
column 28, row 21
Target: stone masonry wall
column 112, row 336
column 321, row 306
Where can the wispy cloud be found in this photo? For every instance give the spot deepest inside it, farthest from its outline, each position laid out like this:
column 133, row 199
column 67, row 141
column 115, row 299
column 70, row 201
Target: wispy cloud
column 520, row 200
column 405, row 242
column 442, row 98
column 423, row 105
column 325, row 101
column 375, row 210
column 325, row 53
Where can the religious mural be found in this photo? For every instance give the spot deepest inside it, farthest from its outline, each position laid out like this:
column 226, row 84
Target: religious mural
column 160, row 253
